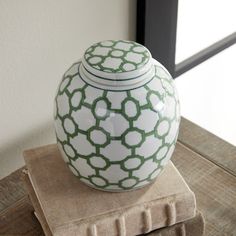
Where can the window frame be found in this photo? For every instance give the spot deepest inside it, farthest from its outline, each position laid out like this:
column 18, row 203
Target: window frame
column 157, row 29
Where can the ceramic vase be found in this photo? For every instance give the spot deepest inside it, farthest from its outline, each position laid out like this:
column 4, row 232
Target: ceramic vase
column 116, row 116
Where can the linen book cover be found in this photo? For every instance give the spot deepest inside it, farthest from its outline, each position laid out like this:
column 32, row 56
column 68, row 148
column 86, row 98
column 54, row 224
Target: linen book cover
column 192, row 227
column 69, row 207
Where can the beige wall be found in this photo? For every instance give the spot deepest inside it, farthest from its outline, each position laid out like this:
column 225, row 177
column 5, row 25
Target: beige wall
column 38, row 42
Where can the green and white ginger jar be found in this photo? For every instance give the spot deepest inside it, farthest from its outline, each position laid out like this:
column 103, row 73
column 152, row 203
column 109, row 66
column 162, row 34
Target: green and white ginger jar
column 116, row 116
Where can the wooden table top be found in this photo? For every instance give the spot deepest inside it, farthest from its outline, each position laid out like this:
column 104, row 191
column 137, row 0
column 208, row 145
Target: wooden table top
column 207, row 163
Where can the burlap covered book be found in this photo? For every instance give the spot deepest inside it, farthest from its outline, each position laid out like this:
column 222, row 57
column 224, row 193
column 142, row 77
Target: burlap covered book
column 69, row 207
column 191, row 227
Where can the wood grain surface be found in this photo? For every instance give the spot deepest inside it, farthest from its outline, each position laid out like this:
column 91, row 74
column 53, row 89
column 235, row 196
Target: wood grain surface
column 11, row 189
column 208, row 145
column 206, row 162
column 215, row 190
column 19, row 219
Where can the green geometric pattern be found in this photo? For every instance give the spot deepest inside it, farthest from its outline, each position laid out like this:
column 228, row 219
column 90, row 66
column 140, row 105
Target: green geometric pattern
column 116, row 144
column 115, row 56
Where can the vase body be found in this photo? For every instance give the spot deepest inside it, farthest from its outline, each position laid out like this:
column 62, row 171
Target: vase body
column 116, row 116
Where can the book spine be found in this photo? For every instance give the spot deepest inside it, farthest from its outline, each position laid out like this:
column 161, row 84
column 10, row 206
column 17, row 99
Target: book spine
column 192, row 227
column 137, row 220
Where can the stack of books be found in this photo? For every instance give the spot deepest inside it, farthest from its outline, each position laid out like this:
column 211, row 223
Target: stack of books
column 65, row 206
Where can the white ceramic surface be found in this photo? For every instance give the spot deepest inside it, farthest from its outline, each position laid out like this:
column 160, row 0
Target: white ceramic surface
column 116, row 116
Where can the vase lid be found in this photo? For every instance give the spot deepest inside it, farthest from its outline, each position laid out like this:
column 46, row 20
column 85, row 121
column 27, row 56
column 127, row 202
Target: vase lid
column 117, row 64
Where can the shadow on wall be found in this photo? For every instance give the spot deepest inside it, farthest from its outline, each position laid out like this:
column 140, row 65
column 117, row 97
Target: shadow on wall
column 132, row 20
column 11, row 154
